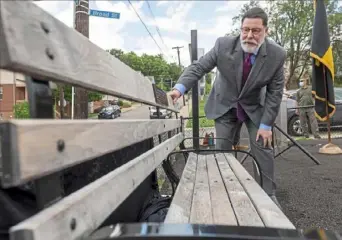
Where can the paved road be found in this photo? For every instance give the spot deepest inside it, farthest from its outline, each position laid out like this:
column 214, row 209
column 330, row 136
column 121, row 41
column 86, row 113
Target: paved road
column 141, row 112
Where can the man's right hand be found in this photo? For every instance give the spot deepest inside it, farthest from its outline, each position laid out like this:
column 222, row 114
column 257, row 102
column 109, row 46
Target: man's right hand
column 175, row 94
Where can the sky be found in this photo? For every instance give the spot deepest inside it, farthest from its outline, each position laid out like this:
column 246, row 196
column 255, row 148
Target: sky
column 173, row 19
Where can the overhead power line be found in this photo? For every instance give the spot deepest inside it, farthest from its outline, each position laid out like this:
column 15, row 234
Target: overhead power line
column 145, row 27
column 158, row 31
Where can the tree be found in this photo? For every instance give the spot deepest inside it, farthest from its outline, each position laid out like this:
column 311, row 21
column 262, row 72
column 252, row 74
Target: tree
column 116, row 53
column 208, row 80
column 335, row 21
column 291, row 26
column 165, row 74
column 92, row 96
column 174, row 72
column 238, row 18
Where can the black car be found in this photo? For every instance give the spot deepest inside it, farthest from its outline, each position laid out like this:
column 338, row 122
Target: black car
column 293, row 123
column 110, row 112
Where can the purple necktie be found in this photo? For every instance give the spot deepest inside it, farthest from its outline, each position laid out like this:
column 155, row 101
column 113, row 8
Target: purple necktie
column 247, row 66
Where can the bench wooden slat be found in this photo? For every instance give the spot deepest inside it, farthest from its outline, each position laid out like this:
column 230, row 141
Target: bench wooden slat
column 180, row 209
column 31, row 150
column 91, row 205
column 269, row 212
column 201, row 204
column 221, row 207
column 245, row 212
column 38, row 45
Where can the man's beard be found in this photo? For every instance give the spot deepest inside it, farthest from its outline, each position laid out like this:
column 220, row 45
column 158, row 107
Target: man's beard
column 250, row 48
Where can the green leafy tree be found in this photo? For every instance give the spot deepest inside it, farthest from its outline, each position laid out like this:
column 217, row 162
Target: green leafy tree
column 238, row 18
column 92, row 96
column 207, row 86
column 165, row 74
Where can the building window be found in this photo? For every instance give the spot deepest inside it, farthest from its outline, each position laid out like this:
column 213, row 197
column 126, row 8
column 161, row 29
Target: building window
column 1, row 93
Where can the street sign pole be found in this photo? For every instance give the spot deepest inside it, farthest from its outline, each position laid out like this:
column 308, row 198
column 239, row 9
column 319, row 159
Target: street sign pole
column 82, row 26
column 91, row 12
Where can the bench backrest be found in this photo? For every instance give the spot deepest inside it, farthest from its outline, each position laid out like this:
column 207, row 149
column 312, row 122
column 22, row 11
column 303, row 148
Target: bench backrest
column 35, row 151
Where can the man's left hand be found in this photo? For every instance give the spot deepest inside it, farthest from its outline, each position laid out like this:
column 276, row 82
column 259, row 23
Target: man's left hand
column 266, row 137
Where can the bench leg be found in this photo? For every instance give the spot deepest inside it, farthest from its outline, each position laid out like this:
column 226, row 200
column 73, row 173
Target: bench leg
column 48, row 189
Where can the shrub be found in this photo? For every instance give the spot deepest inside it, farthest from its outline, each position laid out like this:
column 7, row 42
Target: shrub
column 120, row 102
column 21, row 110
column 126, row 104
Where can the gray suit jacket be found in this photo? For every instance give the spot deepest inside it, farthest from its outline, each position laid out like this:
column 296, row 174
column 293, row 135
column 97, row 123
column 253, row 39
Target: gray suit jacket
column 262, row 94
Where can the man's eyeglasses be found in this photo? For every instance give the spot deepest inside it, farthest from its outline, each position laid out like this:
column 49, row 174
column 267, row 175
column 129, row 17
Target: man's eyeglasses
column 255, row 31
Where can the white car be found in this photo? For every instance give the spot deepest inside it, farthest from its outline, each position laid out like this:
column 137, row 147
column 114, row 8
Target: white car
column 163, row 113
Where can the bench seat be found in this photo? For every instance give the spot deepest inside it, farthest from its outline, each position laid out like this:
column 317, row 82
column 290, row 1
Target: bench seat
column 216, row 189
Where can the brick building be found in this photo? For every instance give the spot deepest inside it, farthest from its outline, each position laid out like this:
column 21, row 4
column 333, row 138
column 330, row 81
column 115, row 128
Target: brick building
column 12, row 91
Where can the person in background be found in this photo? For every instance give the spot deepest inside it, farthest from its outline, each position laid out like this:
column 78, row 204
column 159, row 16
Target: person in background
column 304, row 98
column 248, row 90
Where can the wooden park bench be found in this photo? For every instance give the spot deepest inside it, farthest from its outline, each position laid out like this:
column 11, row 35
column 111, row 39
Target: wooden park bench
column 47, row 157
column 216, row 189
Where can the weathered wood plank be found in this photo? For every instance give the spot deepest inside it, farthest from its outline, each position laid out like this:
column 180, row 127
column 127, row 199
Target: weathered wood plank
column 39, row 45
column 201, row 205
column 34, row 143
column 245, row 212
column 91, row 205
column 269, row 212
column 221, row 207
column 180, row 209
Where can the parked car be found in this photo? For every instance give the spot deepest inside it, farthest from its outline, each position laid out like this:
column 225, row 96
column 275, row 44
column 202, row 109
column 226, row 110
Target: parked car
column 163, row 113
column 110, row 112
column 293, row 122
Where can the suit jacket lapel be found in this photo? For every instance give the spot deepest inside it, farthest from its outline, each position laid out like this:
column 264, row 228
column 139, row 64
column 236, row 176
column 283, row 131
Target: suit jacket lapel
column 238, row 59
column 257, row 66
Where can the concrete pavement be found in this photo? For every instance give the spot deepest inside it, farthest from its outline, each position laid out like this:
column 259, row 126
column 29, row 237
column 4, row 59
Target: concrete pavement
column 185, row 110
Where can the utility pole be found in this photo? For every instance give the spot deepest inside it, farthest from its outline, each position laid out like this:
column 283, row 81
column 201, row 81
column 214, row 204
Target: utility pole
column 178, row 52
column 179, row 64
column 81, row 25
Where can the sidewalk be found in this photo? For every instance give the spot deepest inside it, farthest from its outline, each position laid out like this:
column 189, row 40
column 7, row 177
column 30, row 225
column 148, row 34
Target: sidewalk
column 185, row 110
column 134, row 106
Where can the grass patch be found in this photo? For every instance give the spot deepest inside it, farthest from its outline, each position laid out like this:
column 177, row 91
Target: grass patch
column 301, row 138
column 203, row 122
column 92, row 115
column 160, row 183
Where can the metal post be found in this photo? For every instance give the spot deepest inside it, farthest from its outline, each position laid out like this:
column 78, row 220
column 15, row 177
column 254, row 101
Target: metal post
column 195, row 110
column 49, row 188
column 72, row 101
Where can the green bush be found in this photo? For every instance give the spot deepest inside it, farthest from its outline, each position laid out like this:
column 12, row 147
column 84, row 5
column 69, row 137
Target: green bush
column 126, row 104
column 120, row 102
column 21, row 110
column 207, row 88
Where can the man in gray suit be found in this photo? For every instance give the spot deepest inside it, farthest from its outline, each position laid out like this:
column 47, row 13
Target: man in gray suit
column 248, row 89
